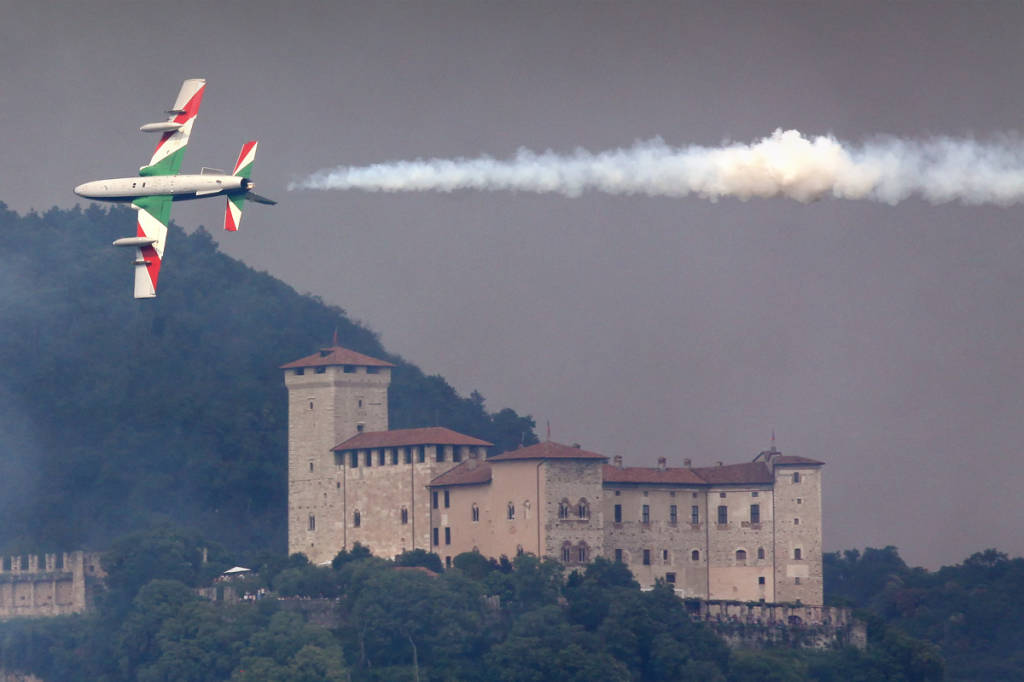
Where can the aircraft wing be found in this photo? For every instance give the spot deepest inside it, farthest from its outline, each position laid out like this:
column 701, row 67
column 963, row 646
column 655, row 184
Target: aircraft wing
column 154, row 213
column 176, row 130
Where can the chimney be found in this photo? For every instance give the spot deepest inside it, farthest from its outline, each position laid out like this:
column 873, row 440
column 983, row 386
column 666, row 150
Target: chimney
column 661, row 463
column 617, row 461
column 687, row 462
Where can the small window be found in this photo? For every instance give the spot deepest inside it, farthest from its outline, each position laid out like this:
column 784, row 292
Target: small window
column 618, row 513
column 368, row 458
column 310, row 466
column 299, row 371
column 755, row 513
column 670, row 578
column 760, row 580
column 645, row 514
column 311, row 404
column 348, row 369
column 373, row 370
column 796, row 477
column 796, row 581
column 381, row 456
column 353, row 459
column 357, row 519
column 456, row 454
column 741, row 555
column 722, row 495
column 360, row 426
column 799, row 500
column 394, row 455
column 447, row 562
column 563, row 509
column 647, row 557
column 436, row 537
column 511, row 511
column 673, row 514
column 695, row 555
column 475, row 513
column 439, row 453
column 566, row 552
column 664, row 555
column 760, row 552
column 447, row 499
column 695, row 515
column 447, row 535
column 796, row 522
column 421, row 455
column 408, row 455
column 519, row 550
column 405, row 516
column 321, row 370
column 360, row 402
column 618, row 556
column 433, row 496
column 312, row 522
column 753, row 494
column 338, row 485
column 581, row 553
column 723, row 515
column 583, row 509
column 797, row 554
column 617, row 493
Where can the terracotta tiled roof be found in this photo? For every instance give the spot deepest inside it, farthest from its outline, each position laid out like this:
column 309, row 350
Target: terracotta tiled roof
column 434, row 435
column 614, row 474
column 472, row 471
column 547, row 450
column 796, row 459
column 336, row 355
column 751, row 472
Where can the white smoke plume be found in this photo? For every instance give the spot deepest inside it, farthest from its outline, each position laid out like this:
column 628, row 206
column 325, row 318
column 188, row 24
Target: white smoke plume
column 784, row 164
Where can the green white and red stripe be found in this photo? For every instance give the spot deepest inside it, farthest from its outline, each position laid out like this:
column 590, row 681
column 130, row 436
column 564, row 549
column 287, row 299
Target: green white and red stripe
column 170, row 149
column 243, row 168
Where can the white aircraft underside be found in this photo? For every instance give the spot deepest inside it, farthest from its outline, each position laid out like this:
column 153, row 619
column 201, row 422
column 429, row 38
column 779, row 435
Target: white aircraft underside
column 181, row 187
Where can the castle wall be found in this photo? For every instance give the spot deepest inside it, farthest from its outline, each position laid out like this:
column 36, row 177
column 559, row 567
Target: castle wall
column 47, row 584
column 737, row 570
column 798, row 511
column 572, row 482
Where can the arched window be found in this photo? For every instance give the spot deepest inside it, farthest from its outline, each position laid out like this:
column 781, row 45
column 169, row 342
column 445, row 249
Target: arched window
column 563, row 509
column 582, row 552
column 566, row 552
column 519, row 550
column 741, row 555
column 511, row 511
column 474, row 513
column 526, row 509
column 760, row 552
column 357, row 518
column 583, row 508
column 695, row 555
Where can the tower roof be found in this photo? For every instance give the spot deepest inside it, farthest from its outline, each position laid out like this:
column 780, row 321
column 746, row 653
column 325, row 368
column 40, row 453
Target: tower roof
column 336, row 355
column 473, row 471
column 547, row 450
column 433, row 435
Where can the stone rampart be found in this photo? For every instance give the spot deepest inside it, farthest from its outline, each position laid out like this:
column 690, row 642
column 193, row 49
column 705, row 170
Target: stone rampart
column 755, row 625
column 47, row 584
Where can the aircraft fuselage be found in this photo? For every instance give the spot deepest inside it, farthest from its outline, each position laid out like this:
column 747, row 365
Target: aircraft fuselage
column 181, row 187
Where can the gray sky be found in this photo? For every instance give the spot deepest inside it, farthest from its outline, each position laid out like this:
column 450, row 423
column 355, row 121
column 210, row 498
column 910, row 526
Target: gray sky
column 887, row 341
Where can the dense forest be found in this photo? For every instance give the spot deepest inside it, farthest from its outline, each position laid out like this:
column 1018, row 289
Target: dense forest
column 409, row 619
column 119, row 414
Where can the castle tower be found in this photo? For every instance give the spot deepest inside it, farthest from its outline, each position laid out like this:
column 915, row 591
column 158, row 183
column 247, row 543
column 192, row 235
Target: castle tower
column 333, row 395
column 797, row 512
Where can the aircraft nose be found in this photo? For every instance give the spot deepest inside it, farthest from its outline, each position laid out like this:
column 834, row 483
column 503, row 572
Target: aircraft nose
column 81, row 189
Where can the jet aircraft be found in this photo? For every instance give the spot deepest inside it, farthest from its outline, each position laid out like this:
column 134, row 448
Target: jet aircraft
column 158, row 184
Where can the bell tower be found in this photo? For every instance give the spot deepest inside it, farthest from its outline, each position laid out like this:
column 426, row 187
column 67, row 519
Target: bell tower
column 332, row 396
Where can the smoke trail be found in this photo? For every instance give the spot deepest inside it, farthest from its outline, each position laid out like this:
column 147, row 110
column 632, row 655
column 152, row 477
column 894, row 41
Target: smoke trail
column 784, row 164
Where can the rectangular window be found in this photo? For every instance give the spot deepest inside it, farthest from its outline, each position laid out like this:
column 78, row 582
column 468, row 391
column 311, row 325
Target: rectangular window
column 312, row 522
column 369, row 458
column 618, row 556
column 381, row 456
column 670, row 578
column 353, row 459
column 394, row 455
column 348, row 369
column 436, row 534
column 447, row 500
column 618, row 513
column 421, row 456
column 673, row 514
column 645, row 514
column 372, row 370
column 647, row 557
column 447, row 535
column 695, row 515
column 664, row 555
column 434, row 499
column 760, row 580
column 321, row 370
column 408, row 455
column 405, row 516
column 300, row 371
column 753, row 494
column 456, row 455
column 439, row 453
column 755, row 513
column 723, row 515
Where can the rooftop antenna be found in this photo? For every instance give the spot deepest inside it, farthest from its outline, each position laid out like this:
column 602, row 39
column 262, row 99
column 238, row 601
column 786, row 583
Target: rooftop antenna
column 549, row 430
column 334, row 339
column 773, row 441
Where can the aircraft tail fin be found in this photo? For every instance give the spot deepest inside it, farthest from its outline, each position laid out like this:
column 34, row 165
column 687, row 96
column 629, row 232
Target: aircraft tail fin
column 235, row 202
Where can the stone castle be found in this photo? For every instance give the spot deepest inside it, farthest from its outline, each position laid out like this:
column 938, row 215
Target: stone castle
column 740, row 532
column 48, row 584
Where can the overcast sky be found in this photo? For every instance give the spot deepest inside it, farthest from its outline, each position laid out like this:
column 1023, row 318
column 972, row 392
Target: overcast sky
column 887, row 341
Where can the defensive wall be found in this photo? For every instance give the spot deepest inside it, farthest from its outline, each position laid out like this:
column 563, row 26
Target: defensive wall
column 48, row 584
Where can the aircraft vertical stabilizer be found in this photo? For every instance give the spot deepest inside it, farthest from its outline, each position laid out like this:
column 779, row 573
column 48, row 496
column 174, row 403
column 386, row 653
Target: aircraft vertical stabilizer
column 235, row 202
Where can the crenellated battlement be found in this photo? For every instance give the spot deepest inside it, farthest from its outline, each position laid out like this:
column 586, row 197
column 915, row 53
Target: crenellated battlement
column 47, row 584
